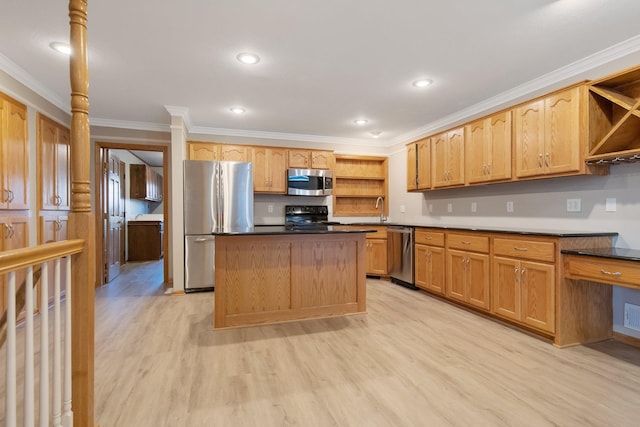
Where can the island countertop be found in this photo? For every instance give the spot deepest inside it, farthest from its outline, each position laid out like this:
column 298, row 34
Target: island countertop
column 282, row 230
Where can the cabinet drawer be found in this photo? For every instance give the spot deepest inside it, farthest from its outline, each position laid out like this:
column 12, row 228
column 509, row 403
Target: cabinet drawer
column 381, row 232
column 529, row 249
column 468, row 242
column 433, row 238
column 623, row 273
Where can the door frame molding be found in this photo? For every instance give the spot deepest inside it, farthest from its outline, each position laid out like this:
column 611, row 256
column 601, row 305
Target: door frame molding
column 98, row 201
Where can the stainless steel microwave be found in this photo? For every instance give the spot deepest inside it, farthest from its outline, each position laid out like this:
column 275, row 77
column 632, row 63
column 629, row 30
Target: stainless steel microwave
column 309, row 182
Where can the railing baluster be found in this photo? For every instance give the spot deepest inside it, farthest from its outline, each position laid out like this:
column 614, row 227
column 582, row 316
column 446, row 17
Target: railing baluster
column 29, row 398
column 67, row 416
column 10, row 398
column 57, row 398
column 44, row 345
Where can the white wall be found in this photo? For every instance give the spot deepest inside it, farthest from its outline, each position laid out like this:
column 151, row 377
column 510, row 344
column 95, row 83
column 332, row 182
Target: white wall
column 538, row 204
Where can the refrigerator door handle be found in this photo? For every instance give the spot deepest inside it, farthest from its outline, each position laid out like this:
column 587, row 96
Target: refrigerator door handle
column 204, row 239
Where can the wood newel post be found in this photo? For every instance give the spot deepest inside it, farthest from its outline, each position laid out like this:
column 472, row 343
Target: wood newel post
column 81, row 224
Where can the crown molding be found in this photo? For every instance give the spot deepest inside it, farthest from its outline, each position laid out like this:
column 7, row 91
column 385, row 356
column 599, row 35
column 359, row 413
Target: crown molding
column 183, row 112
column 284, row 136
column 23, row 77
column 123, row 124
column 570, row 71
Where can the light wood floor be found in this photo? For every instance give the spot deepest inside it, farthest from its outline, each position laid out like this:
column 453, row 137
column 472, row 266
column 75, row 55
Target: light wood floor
column 412, row 360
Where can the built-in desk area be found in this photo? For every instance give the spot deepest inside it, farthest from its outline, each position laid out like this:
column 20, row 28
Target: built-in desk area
column 612, row 266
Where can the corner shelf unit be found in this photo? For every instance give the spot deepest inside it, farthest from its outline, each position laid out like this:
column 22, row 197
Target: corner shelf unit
column 614, row 118
column 358, row 182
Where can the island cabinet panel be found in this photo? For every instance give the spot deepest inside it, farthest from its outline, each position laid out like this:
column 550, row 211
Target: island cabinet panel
column 275, row 278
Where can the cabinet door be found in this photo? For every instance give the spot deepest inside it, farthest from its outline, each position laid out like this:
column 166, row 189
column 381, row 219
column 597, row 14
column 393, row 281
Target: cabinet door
column 63, row 169
column 439, row 176
column 421, row 266
column 15, row 157
column 299, row 159
column 278, row 170
column 505, row 288
column 499, row 154
column 478, row 280
column 261, row 171
column 529, row 138
column 233, row 153
column 423, row 157
column 436, row 271
column 455, row 156
column 562, row 132
column 412, row 167
column 321, row 159
column 538, row 295
column 47, row 149
column 203, row 151
column 476, row 148
column 377, row 259
column 456, row 274
column 13, row 235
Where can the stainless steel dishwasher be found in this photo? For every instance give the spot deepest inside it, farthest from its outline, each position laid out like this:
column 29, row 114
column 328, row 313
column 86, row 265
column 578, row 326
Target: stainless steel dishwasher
column 400, row 255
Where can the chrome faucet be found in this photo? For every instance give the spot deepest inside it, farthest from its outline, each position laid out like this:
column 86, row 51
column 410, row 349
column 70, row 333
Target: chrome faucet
column 382, row 217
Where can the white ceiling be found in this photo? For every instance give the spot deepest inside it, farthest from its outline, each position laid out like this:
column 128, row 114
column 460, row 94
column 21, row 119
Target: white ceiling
column 324, row 63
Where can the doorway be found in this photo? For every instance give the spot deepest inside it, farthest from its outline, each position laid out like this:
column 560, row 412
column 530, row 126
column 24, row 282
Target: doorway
column 110, row 208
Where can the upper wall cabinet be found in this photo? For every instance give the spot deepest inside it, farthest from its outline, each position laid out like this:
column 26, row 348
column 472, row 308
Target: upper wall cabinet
column 488, row 149
column 448, row 158
column 54, row 166
column 145, row 183
column 14, row 159
column 419, row 165
column 310, row 159
column 614, row 118
column 203, row 151
column 548, row 136
column 269, row 170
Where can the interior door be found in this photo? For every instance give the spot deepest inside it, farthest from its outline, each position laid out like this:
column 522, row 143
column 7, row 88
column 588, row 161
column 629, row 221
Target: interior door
column 114, row 215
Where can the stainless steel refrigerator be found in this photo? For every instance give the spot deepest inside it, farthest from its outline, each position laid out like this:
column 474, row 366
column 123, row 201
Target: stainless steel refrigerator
column 218, row 197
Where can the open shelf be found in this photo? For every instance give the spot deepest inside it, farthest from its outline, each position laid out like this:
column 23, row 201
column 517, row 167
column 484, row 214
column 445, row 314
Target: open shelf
column 614, row 117
column 358, row 182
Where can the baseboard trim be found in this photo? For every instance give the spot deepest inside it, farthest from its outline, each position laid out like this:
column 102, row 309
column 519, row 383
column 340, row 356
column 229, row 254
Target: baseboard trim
column 627, row 339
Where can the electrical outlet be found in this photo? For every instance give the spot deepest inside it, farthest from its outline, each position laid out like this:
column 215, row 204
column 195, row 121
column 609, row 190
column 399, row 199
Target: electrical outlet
column 574, row 205
column 449, row 207
column 430, row 207
column 474, row 207
column 510, row 207
column 402, row 209
column 270, row 208
column 610, row 204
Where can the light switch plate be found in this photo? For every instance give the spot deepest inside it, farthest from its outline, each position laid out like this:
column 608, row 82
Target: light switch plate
column 574, row 205
column 449, row 207
column 474, row 207
column 402, row 208
column 510, row 207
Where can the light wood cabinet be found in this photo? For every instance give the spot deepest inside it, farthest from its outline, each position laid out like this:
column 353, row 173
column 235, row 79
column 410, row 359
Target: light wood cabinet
column 547, row 135
column 269, row 170
column 358, row 181
column 419, row 165
column 203, row 151
column 14, row 234
column 468, row 278
column 488, row 149
column 309, row 159
column 54, row 166
column 234, row 153
column 430, row 261
column 614, row 118
column 377, row 257
column 523, row 287
column 53, row 228
column 14, row 157
column 448, row 158
column 145, row 183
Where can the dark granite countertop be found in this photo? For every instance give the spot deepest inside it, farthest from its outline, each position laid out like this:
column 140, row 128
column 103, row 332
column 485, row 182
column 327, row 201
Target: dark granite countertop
column 611, row 253
column 521, row 231
column 279, row 229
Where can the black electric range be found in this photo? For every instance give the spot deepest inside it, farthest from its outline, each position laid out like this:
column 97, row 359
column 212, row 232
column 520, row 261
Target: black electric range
column 296, row 216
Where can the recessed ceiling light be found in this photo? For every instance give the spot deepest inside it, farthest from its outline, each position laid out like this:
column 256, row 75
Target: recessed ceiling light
column 361, row 122
column 376, row 133
column 422, row 83
column 248, row 58
column 237, row 110
column 60, row 47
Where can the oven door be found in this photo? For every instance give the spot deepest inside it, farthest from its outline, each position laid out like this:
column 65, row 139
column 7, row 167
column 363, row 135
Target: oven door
column 306, row 182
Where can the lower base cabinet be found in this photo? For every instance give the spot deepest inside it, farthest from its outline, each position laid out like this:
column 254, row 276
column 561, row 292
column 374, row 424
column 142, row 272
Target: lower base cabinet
column 145, row 240
column 377, row 257
column 468, row 278
column 429, row 268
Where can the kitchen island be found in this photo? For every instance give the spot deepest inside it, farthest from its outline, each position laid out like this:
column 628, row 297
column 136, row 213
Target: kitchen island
column 275, row 274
